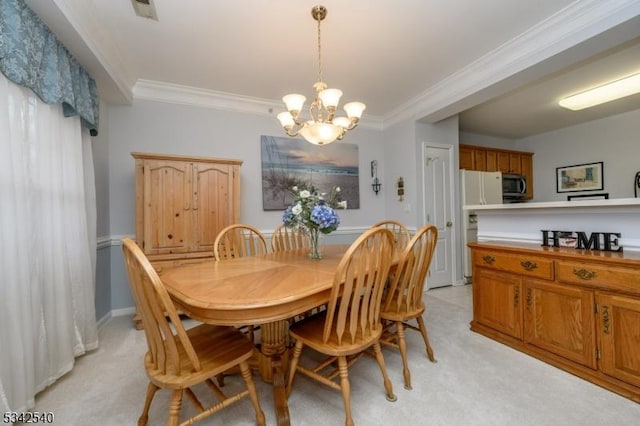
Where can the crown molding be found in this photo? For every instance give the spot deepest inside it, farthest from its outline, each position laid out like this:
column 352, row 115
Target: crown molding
column 186, row 95
column 575, row 24
column 159, row 91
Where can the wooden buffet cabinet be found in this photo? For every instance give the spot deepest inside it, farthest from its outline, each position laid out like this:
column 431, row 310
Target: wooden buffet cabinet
column 498, row 160
column 181, row 205
column 577, row 310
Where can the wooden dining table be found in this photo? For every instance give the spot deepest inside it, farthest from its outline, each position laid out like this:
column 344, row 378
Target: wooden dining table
column 266, row 290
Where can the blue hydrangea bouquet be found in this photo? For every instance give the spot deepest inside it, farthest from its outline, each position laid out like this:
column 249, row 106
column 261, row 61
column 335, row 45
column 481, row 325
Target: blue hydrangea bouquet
column 314, row 213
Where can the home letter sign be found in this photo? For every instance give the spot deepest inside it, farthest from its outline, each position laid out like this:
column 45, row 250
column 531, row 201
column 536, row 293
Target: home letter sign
column 605, row 241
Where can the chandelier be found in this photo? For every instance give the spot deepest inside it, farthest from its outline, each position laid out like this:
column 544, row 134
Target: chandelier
column 323, row 126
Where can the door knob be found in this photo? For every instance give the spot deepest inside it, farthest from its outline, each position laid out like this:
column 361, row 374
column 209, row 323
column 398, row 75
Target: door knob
column 449, row 224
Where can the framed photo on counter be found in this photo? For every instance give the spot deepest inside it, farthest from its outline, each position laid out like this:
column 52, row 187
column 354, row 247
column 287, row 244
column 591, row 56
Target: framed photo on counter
column 602, row 196
column 581, row 177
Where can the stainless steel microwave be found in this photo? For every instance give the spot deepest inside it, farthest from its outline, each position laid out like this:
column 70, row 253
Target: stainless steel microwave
column 513, row 186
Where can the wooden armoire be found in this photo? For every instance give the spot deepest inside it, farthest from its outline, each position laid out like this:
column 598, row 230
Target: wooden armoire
column 181, row 205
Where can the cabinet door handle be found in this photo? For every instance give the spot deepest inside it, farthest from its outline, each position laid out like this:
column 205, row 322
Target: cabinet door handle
column 528, row 265
column 488, row 259
column 516, row 296
column 605, row 319
column 584, row 274
column 529, row 299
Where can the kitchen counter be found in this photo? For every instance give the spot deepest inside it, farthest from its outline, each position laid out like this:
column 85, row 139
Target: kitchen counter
column 524, row 222
column 618, row 202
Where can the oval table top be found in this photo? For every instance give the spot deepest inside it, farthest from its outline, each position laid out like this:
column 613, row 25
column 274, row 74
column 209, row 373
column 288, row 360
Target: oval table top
column 256, row 289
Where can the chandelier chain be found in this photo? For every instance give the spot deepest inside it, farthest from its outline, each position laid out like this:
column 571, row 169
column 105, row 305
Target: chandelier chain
column 322, row 126
column 319, row 53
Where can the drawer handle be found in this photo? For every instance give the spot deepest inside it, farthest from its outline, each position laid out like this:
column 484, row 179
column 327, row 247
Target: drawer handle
column 584, row 274
column 488, row 259
column 528, row 265
column 605, row 319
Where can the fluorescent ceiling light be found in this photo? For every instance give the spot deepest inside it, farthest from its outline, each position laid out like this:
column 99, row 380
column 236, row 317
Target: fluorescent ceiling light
column 607, row 92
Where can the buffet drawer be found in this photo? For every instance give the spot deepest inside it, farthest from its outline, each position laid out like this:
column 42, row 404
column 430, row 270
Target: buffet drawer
column 522, row 264
column 601, row 276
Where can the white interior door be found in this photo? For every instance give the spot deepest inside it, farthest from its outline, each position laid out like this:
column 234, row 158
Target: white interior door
column 438, row 209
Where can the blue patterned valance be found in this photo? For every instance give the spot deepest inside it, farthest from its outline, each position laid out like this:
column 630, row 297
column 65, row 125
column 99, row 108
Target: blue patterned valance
column 30, row 55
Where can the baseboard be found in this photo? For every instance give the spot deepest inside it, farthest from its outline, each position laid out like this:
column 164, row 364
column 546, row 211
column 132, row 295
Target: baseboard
column 116, row 313
column 123, row 311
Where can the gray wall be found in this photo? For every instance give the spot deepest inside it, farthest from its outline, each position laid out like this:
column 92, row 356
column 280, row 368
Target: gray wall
column 100, row 149
column 484, row 140
column 177, row 129
column 148, row 126
column 399, row 148
column 613, row 140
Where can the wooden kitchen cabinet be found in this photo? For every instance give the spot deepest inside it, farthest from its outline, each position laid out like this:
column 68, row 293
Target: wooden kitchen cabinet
column 496, row 302
column 514, row 163
column 560, row 320
column 480, row 159
column 526, row 169
column 503, row 161
column 578, row 310
column 467, row 161
column 492, row 161
column 619, row 334
column 498, row 160
column 181, row 205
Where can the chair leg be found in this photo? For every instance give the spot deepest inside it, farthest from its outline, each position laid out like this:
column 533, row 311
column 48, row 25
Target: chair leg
column 253, row 394
column 220, row 379
column 402, row 345
column 425, row 337
column 175, row 407
column 297, row 350
column 383, row 368
column 144, row 417
column 345, row 387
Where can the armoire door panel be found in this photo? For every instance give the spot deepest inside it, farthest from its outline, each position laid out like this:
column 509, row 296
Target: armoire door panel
column 167, row 197
column 213, row 207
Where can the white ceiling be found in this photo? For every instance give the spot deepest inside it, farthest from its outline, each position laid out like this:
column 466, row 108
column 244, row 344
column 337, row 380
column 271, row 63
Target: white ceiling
column 503, row 62
column 533, row 108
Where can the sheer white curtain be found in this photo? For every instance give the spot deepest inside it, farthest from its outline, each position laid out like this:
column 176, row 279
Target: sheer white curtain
column 47, row 245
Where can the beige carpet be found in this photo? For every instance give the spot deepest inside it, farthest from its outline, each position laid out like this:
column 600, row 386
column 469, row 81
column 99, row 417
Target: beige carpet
column 476, row 381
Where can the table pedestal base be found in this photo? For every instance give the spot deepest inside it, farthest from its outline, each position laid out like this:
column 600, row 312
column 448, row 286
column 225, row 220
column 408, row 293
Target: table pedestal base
column 272, row 364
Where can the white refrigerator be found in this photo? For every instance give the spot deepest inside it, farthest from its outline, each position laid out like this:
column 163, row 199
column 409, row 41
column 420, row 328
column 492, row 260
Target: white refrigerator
column 477, row 188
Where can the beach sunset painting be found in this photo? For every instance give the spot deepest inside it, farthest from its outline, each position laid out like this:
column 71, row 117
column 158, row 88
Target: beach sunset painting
column 287, row 162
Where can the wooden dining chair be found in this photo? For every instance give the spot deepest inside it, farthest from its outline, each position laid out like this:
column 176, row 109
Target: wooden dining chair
column 239, row 240
column 184, row 358
column 403, row 300
column 288, row 239
column 401, row 235
column 351, row 323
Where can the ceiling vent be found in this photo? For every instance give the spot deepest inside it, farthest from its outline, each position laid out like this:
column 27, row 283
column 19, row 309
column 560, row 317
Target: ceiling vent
column 145, row 9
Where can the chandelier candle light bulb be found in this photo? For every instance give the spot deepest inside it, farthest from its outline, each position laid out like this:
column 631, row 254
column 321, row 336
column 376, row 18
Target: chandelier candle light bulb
column 323, row 127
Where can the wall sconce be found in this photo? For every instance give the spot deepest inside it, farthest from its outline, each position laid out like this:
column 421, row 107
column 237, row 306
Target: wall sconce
column 376, row 185
column 400, row 189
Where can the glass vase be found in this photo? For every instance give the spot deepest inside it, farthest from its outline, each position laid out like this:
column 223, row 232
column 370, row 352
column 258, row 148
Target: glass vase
column 314, row 235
